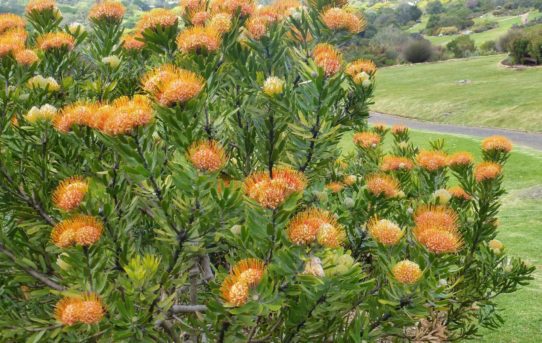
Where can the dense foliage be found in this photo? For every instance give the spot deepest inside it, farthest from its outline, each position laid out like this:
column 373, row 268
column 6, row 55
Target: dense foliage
column 186, row 182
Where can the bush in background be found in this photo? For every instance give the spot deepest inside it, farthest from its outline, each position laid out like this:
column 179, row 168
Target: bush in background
column 417, row 51
column 462, row 46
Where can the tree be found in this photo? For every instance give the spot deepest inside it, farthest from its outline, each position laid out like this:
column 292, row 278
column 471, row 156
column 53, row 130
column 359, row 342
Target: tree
column 462, row 46
column 189, row 185
column 434, row 7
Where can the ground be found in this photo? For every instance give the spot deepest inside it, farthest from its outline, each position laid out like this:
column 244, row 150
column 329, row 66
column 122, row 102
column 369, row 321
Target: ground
column 521, row 224
column 477, row 91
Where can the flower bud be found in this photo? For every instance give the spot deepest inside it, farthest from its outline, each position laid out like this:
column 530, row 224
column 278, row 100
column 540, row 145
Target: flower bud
column 273, row 86
column 236, row 229
column 496, row 246
column 113, row 61
column 442, row 196
column 75, row 28
column 349, row 202
column 314, row 267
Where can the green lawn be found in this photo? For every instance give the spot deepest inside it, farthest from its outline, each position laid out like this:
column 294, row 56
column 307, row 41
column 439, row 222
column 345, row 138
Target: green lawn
column 493, row 95
column 505, row 23
column 520, row 231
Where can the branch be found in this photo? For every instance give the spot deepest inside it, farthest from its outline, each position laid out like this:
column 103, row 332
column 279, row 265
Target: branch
column 32, row 272
column 188, row 308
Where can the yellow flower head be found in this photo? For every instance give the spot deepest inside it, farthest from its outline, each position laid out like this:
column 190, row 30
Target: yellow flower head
column 367, row 140
column 70, row 193
column 249, row 270
column 270, row 192
column 12, row 41
column 207, row 156
column 407, row 272
column 273, row 86
column 107, row 10
column 44, row 113
column 198, row 39
column 440, row 241
column 384, row 231
column 26, row 57
column 55, row 40
column 40, row 6
column 497, row 143
column 9, row 21
column 221, row 22
column 330, row 236
column 303, row 228
column 358, row 66
column 432, row 160
column 158, row 17
column 234, row 290
column 383, row 185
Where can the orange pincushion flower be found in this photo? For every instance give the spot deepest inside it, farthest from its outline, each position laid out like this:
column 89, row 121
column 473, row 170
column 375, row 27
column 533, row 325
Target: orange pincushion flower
column 192, row 5
column 67, row 310
column 158, row 17
column 200, row 18
column 197, row 39
column 349, row 180
column 432, row 160
column 152, row 80
column 171, row 85
column 358, row 66
column 87, row 309
column 384, row 231
column 459, row 193
column 244, row 7
column 207, row 155
column 257, row 27
column 74, row 114
column 271, row 192
column 367, row 139
column 70, row 193
column 124, row 115
column 235, row 291
column 460, row 159
column 439, row 241
column 497, row 143
column 407, row 272
column 339, row 19
column 335, row 187
column 221, row 22
column 107, row 10
column 487, row 171
column 10, row 21
column 328, row 58
column 26, row 57
column 80, row 230
column 303, row 228
column 392, row 163
column 249, row 271
column 383, row 185
column 398, row 129
column 131, row 42
column 285, row 7
column 330, row 236
column 40, row 5
column 442, row 217
column 55, row 40
column 12, row 41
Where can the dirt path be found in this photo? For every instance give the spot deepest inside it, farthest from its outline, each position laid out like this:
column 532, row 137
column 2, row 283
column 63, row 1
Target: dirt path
column 528, row 139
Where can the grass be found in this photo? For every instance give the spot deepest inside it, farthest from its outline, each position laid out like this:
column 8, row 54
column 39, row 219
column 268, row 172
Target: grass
column 494, row 96
column 504, row 24
column 521, row 224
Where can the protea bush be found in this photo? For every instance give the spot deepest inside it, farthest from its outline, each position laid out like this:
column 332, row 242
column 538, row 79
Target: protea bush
column 185, row 181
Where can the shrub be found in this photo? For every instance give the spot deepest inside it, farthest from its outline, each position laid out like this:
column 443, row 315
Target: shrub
column 189, row 185
column 488, row 47
column 462, row 46
column 448, row 30
column 524, row 45
column 418, row 51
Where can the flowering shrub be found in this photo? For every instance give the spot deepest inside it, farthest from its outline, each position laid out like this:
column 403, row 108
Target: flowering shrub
column 183, row 181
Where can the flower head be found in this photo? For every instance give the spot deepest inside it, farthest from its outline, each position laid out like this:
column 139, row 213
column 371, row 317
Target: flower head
column 432, row 160
column 399, row 129
column 358, row 66
column 67, row 310
column 257, row 26
column 75, row 114
column 26, row 57
column 171, row 85
column 158, row 17
column 80, row 230
column 407, row 272
column 132, row 42
column 459, row 193
column 442, row 196
column 497, row 143
column 428, row 216
column 383, row 185
column 198, row 39
column 192, row 5
column 70, row 193
column 328, row 58
column 243, row 7
column 221, row 22
column 439, row 241
column 55, row 40
column 303, row 228
column 207, row 156
column 113, row 61
column 249, row 270
column 235, row 291
column 486, row 171
column 107, row 10
column 384, row 231
column 314, row 267
column 44, row 113
column 335, row 187
column 339, row 19
column 40, row 6
column 270, row 192
column 393, row 163
column 12, row 41
column 330, row 236
column 9, row 21
column 349, row 180
column 367, row 140
column 123, row 115
column 460, row 159
column 86, row 309
column 496, row 246
column 273, row 86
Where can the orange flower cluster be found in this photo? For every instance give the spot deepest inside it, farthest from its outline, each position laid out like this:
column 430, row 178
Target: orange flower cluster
column 12, row 41
column 437, row 229
column 460, row 159
column 432, row 160
column 199, row 39
column 393, row 163
column 245, row 274
column 328, row 58
column 399, row 129
column 497, row 143
column 107, row 10
column 315, row 225
column 243, row 7
column 118, row 117
column 459, row 193
column 263, row 16
column 40, row 6
column 487, row 171
column 335, row 187
column 81, row 230
column 207, row 156
column 385, row 231
column 383, row 185
column 359, row 66
column 367, row 139
column 158, row 17
column 171, row 85
column 270, row 192
column 87, row 309
column 55, row 40
column 70, row 193
column 339, row 19
column 10, row 21
column 133, row 42
column 407, row 272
